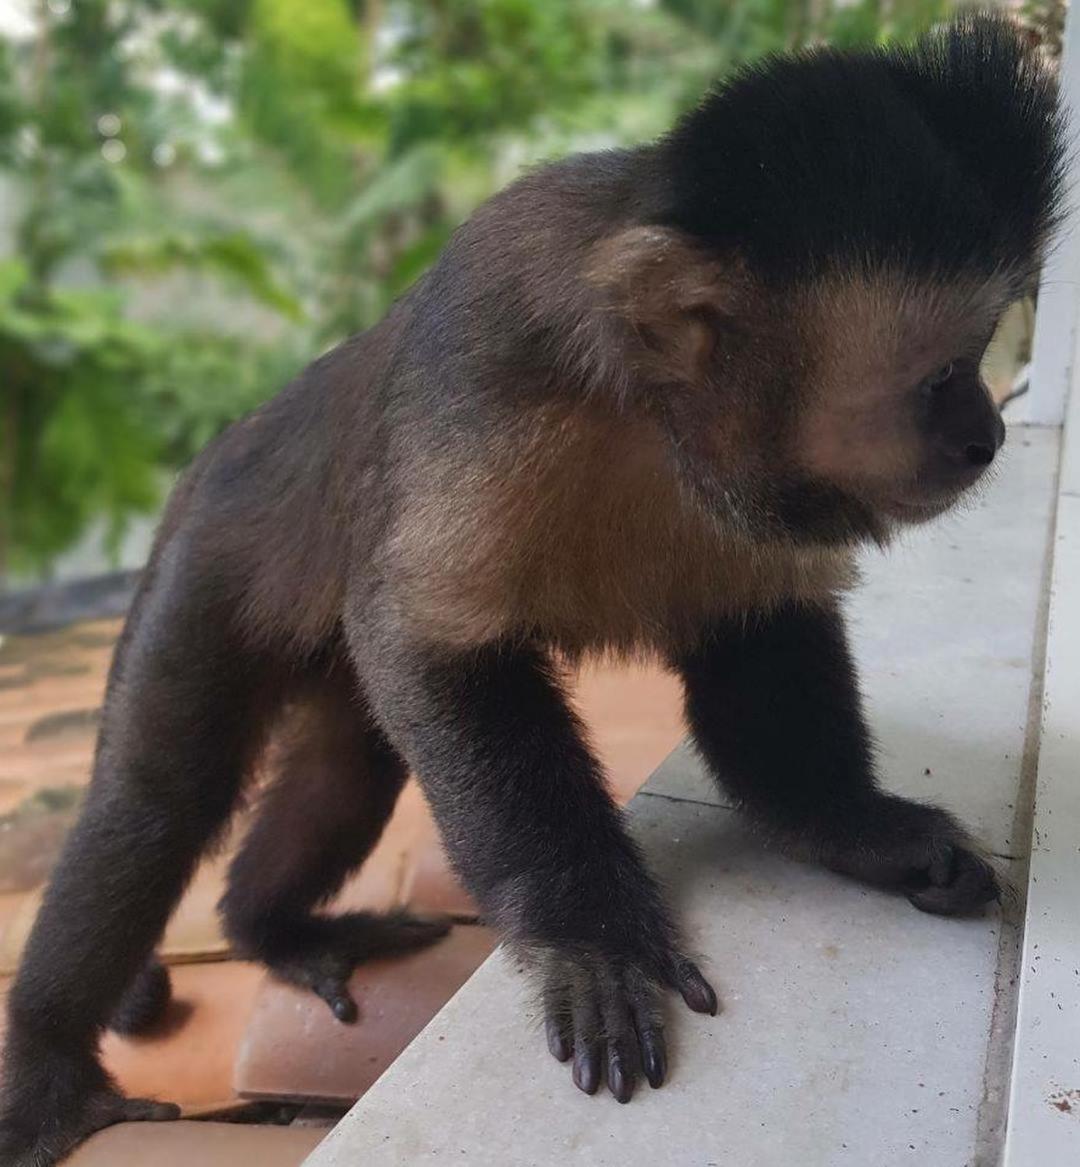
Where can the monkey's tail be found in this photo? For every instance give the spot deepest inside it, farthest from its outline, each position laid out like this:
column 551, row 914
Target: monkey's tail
column 145, row 1000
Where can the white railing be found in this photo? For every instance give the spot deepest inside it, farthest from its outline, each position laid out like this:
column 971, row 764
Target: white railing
column 1054, row 355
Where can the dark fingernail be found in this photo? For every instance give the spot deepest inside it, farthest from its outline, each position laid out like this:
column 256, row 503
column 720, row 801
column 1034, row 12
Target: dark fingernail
column 654, row 1061
column 586, row 1071
column 559, row 1046
column 620, row 1083
column 697, row 992
column 344, row 1009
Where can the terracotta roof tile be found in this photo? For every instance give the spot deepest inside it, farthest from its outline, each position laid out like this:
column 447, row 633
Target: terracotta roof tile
column 294, row 1048
column 189, row 1059
column 196, row 1144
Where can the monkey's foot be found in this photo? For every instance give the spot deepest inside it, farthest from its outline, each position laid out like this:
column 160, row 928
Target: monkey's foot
column 52, row 1103
column 332, row 946
column 600, row 1011
column 921, row 849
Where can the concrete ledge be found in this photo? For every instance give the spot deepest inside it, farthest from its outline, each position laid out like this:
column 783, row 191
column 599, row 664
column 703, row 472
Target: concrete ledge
column 854, row 1029
column 1044, row 1110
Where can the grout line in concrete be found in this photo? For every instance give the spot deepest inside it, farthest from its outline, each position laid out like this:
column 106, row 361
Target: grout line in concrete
column 992, row 1115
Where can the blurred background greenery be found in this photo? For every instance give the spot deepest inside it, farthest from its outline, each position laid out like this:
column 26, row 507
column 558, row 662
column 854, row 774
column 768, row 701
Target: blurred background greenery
column 198, row 196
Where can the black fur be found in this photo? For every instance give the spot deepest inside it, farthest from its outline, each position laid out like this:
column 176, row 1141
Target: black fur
column 144, row 1002
column 775, row 710
column 774, row 707
column 948, row 153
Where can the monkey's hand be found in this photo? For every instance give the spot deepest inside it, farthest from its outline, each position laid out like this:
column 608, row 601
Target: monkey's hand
column 600, row 1009
column 920, row 848
column 52, row 1100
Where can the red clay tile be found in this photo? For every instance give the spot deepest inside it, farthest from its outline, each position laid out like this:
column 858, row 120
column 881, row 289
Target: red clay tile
column 430, row 884
column 190, row 1060
column 634, row 717
column 295, row 1049
column 50, row 689
column 40, row 697
column 10, row 903
column 194, row 931
column 52, row 766
column 196, row 1144
column 12, row 792
column 376, row 887
column 32, row 840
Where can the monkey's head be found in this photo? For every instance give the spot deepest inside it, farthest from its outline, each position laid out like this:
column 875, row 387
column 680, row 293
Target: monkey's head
column 839, row 235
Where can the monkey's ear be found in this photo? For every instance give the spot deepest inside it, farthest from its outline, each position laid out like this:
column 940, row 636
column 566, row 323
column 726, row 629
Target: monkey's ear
column 671, row 293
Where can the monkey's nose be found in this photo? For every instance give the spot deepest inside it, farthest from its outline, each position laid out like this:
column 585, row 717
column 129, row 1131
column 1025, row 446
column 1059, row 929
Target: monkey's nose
column 981, row 452
column 968, row 454
column 978, row 454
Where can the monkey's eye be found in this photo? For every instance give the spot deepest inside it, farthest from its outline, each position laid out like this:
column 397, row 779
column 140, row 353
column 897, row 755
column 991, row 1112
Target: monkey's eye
column 937, row 379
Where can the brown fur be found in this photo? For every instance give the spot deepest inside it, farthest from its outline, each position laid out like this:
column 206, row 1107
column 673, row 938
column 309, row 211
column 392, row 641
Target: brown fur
column 867, row 341
column 577, row 531
column 671, row 293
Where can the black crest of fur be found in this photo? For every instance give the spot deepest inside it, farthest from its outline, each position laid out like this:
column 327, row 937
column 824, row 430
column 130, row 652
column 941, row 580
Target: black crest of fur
column 941, row 158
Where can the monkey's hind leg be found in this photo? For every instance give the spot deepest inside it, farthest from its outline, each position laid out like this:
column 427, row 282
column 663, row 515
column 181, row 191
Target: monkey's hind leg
column 183, row 717
column 336, row 784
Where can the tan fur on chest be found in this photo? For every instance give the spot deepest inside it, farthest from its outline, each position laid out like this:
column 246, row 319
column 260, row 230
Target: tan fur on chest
column 575, row 531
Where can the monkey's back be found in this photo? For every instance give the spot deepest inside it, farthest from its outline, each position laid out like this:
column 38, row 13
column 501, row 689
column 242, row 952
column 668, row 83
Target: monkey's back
column 278, row 506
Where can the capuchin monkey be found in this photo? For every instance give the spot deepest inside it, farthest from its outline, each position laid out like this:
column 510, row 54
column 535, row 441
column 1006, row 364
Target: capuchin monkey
column 648, row 401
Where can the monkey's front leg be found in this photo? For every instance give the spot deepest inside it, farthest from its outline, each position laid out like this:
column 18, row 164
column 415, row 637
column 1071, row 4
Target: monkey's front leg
column 774, row 707
column 539, row 843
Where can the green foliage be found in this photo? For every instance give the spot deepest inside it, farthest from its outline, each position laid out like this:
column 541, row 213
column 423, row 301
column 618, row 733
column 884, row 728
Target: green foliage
column 82, row 434
column 234, row 256
column 70, row 361
column 210, row 191
column 299, row 89
column 871, row 21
